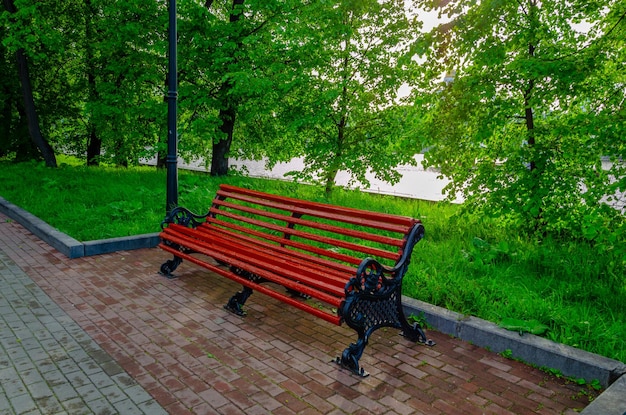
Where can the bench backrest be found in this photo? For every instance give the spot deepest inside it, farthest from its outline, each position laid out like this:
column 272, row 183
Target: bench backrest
column 335, row 233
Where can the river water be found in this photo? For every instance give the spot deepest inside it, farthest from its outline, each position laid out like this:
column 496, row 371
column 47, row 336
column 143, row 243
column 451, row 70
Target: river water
column 415, row 182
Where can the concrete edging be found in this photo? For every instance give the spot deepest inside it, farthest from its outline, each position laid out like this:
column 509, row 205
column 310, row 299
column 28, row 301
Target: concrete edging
column 610, row 402
column 69, row 246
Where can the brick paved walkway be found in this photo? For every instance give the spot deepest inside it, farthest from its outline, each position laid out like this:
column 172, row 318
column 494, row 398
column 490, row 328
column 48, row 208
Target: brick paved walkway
column 49, row 364
column 173, row 338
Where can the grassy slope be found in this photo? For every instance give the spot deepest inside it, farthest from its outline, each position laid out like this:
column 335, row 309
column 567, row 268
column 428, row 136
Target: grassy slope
column 471, row 267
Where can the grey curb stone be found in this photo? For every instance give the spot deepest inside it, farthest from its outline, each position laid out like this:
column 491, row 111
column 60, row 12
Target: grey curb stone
column 611, row 402
column 528, row 348
column 69, row 246
column 127, row 243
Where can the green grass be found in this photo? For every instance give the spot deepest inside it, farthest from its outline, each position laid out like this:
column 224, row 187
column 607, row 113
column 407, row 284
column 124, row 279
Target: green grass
column 468, row 265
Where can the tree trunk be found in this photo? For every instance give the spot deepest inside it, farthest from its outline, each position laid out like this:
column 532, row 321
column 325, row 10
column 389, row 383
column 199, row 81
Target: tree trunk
column 29, row 102
column 331, row 175
column 25, row 149
column 528, row 111
column 31, row 112
column 161, row 160
column 221, row 146
column 537, row 212
column 94, row 142
column 94, row 146
column 530, row 130
column 335, row 162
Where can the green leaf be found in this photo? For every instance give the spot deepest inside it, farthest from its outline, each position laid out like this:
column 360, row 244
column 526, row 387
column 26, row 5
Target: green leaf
column 524, row 326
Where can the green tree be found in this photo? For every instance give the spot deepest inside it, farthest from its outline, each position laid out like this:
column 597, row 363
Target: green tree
column 56, row 46
column 233, row 60
column 18, row 41
column 281, row 55
column 348, row 110
column 97, row 69
column 123, row 79
column 536, row 103
column 213, row 33
column 94, row 141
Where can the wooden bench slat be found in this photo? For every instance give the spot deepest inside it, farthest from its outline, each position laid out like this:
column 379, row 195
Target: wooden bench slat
column 304, row 273
column 382, row 221
column 280, row 248
column 293, row 285
column 274, row 254
column 313, row 237
column 271, row 269
column 288, row 242
column 288, row 219
column 322, row 207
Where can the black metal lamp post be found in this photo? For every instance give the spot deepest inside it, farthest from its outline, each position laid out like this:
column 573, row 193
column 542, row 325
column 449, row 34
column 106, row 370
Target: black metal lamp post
column 171, row 160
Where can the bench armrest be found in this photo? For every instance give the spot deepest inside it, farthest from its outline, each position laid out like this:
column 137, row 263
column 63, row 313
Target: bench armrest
column 182, row 216
column 415, row 235
column 372, row 277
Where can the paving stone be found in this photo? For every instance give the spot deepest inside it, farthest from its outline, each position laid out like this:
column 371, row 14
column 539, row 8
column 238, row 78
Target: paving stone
column 101, row 379
column 30, row 377
column 89, row 393
column 6, row 374
column 39, row 390
column 137, row 394
column 49, row 405
column 14, row 387
column 102, row 407
column 30, row 343
column 77, row 406
column 65, row 392
column 153, row 408
column 88, row 366
column 22, row 403
column 5, row 405
column 54, row 378
column 128, row 407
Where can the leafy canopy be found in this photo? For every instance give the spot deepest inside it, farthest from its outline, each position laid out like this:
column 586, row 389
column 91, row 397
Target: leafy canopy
column 531, row 129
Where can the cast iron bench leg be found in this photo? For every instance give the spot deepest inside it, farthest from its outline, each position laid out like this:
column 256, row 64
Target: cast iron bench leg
column 368, row 309
column 236, row 302
column 169, row 266
column 350, row 357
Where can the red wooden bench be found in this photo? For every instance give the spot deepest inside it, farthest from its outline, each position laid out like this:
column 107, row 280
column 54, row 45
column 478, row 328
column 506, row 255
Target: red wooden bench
column 339, row 264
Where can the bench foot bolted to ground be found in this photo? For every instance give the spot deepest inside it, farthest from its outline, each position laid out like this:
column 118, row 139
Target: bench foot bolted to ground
column 339, row 264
